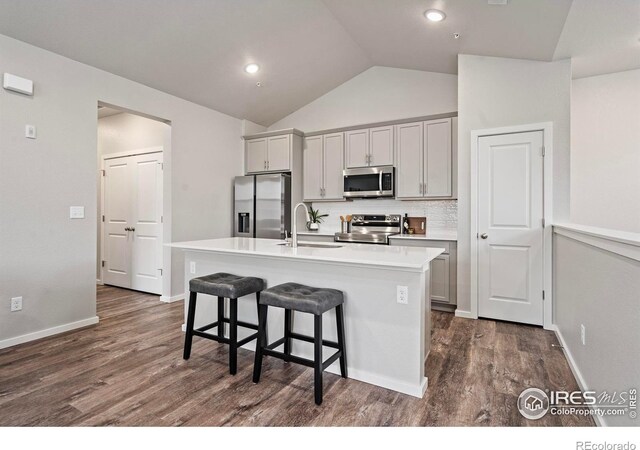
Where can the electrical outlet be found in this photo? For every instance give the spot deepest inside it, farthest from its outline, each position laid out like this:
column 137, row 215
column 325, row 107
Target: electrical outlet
column 583, row 334
column 403, row 295
column 16, row 304
column 192, row 267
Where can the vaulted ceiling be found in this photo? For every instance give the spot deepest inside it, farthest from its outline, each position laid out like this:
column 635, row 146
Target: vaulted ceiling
column 197, row 49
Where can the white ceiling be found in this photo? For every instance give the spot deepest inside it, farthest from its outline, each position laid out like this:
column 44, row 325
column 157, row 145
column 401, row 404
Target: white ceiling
column 601, row 37
column 396, row 34
column 196, row 49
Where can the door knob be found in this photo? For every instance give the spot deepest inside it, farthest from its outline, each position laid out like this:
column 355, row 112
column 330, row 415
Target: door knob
column 127, row 229
column 484, row 235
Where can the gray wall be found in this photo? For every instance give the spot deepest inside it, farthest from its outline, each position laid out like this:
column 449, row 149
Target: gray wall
column 501, row 92
column 601, row 290
column 48, row 258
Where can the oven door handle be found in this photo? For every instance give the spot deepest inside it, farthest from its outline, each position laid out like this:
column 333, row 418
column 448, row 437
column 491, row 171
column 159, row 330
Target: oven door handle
column 380, row 181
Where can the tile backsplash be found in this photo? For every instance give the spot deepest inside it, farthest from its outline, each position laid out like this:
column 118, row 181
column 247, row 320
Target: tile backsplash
column 439, row 213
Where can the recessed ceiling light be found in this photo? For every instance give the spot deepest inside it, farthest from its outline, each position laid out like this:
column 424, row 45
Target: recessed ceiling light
column 434, row 15
column 251, row 68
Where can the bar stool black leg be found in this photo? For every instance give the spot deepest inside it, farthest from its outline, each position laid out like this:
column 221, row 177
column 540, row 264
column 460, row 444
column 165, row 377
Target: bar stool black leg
column 341, row 347
column 220, row 316
column 233, row 335
column 317, row 358
column 260, row 343
column 287, row 331
column 191, row 316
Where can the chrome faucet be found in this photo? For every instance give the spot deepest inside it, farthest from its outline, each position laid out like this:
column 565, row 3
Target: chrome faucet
column 294, row 235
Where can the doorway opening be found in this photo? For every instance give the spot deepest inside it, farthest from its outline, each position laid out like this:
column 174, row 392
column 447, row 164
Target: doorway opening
column 133, row 201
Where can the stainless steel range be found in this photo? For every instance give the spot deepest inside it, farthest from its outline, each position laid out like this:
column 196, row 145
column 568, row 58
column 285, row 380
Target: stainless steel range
column 372, row 229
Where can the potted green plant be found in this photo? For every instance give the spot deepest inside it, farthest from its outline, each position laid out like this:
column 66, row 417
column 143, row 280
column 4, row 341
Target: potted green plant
column 316, row 219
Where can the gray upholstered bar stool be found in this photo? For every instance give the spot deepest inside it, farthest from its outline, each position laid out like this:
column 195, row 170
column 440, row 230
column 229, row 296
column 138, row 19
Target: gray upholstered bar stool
column 222, row 285
column 316, row 301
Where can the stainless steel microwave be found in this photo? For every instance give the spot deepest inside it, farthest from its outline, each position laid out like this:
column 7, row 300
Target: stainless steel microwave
column 369, row 182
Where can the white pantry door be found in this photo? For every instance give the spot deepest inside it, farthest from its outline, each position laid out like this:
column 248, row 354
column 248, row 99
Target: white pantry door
column 133, row 222
column 510, row 230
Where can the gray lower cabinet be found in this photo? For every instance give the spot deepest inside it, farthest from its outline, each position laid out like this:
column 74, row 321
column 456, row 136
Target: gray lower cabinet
column 444, row 277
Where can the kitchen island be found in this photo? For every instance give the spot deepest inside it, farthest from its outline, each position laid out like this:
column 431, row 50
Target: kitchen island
column 387, row 341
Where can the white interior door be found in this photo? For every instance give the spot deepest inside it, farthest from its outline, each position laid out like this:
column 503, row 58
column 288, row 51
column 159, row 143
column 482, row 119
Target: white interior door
column 116, row 252
column 510, row 231
column 132, row 236
column 146, row 234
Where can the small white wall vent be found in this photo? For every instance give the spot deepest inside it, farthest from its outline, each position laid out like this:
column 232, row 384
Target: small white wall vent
column 17, row 84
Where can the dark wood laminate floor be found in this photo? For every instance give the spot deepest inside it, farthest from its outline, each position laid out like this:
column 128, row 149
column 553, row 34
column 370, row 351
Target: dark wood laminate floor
column 128, row 370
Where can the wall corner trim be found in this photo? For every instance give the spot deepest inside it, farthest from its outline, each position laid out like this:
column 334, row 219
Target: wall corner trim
column 172, row 299
column 48, row 332
column 465, row 314
column 582, row 384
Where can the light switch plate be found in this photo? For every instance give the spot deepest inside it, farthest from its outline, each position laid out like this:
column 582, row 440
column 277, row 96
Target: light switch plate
column 30, row 131
column 76, row 212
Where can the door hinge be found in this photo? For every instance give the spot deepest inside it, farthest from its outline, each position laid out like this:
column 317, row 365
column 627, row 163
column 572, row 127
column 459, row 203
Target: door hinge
column 161, row 219
column 160, row 272
column 161, row 166
column 543, row 151
column 544, row 222
column 103, row 218
column 543, row 295
column 103, row 172
column 103, row 263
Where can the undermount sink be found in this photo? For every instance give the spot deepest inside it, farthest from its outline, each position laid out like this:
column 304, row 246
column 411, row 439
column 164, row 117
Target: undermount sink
column 308, row 244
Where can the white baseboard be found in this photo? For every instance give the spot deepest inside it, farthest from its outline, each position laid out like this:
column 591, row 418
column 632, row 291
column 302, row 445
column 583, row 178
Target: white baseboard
column 175, row 298
column 48, row 332
column 184, row 327
column 599, row 420
column 464, row 314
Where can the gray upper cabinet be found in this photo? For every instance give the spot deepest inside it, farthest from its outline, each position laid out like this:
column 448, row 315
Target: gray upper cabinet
column 369, row 147
column 256, row 155
column 312, row 170
column 409, row 157
column 357, row 148
column 278, row 153
column 333, row 165
column 381, row 146
column 425, row 159
column 323, row 162
column 437, row 158
column 268, row 154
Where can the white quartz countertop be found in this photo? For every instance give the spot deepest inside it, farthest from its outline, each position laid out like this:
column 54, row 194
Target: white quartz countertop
column 407, row 258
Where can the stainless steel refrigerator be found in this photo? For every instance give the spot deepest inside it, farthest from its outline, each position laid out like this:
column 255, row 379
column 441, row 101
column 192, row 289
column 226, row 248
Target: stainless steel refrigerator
column 262, row 206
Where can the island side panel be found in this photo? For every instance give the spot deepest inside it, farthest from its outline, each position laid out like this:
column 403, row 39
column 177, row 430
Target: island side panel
column 386, row 341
